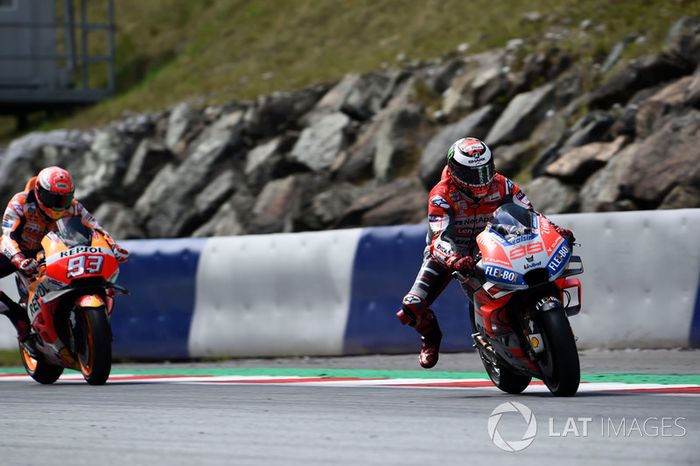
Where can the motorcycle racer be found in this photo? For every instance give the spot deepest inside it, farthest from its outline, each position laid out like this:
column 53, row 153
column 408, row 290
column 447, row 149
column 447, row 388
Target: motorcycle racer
column 29, row 216
column 459, row 207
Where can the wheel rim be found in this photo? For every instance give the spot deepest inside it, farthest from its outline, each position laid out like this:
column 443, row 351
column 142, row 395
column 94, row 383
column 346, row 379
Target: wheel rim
column 547, row 366
column 491, row 369
column 29, row 362
column 87, row 354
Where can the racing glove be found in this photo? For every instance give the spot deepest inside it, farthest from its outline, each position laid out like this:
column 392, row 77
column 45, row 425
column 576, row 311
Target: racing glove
column 28, row 267
column 461, row 264
column 120, row 253
column 566, row 233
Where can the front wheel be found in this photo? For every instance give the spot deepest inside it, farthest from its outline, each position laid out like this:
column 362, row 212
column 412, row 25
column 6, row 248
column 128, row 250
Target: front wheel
column 41, row 371
column 94, row 345
column 560, row 365
column 504, row 378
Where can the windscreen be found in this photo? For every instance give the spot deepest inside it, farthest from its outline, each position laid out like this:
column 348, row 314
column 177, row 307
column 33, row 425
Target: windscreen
column 512, row 220
column 73, row 232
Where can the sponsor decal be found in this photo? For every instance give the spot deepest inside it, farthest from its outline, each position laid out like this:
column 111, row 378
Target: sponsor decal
column 411, row 299
column 533, row 265
column 80, row 249
column 438, row 201
column 546, row 300
column 443, row 249
column 501, row 274
column 558, row 260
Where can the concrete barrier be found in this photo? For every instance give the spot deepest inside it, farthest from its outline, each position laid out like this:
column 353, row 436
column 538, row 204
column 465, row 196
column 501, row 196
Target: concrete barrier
column 335, row 292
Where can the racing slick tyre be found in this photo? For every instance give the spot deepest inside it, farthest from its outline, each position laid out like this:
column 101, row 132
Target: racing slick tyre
column 41, row 371
column 503, row 378
column 94, row 345
column 560, row 364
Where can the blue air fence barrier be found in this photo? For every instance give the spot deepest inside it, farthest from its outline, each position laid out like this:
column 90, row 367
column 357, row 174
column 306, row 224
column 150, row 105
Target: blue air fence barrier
column 153, row 322
column 695, row 325
column 386, row 264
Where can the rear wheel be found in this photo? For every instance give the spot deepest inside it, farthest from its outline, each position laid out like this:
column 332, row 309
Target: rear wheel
column 94, row 345
column 504, row 378
column 560, row 364
column 41, row 371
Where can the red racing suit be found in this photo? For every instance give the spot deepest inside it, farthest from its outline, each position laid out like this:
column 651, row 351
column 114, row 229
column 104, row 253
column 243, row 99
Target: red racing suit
column 24, row 225
column 454, row 220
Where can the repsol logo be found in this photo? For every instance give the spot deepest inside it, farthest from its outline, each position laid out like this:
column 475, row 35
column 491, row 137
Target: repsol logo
column 80, row 249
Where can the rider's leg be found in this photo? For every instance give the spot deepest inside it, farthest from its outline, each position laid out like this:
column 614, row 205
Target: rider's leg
column 16, row 313
column 415, row 310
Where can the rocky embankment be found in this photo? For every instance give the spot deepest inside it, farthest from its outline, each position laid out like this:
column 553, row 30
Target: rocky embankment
column 365, row 150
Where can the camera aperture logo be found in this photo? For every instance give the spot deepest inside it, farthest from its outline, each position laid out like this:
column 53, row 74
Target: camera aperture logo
column 528, row 418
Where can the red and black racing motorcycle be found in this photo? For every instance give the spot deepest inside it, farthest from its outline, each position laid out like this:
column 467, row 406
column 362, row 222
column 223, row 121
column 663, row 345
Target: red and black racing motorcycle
column 523, row 294
column 69, row 303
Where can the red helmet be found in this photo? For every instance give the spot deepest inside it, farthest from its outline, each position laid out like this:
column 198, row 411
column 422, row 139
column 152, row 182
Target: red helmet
column 54, row 191
column 471, row 166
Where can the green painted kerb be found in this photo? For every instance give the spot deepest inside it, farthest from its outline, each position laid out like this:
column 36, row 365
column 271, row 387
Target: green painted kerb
column 383, row 374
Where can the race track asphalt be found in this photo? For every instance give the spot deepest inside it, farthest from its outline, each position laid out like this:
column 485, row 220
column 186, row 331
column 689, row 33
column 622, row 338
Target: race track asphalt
column 134, row 422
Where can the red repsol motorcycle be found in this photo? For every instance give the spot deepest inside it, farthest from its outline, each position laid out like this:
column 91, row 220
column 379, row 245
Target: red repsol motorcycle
column 522, row 296
column 69, row 304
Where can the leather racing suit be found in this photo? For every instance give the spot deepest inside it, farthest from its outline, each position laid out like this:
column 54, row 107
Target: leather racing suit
column 454, row 221
column 23, row 227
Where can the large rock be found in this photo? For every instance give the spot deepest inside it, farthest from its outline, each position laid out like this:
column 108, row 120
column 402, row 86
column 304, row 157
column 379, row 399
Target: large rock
column 327, row 207
column 521, row 116
column 354, row 215
column 219, row 146
column 603, row 190
column 434, row 155
column 474, row 87
column 102, row 167
column 184, row 122
column 276, row 113
column 682, row 197
column 640, row 74
column 280, row 202
column 406, row 208
column 511, row 160
column 25, row 156
column 119, row 221
column 359, row 96
column 683, row 40
column 225, row 222
column 357, row 161
column 154, row 192
column 551, row 196
column 653, row 112
column 150, row 157
column 593, row 127
column 439, row 78
column 396, row 145
column 269, row 160
column 669, row 157
column 694, row 90
column 578, row 163
column 319, row 144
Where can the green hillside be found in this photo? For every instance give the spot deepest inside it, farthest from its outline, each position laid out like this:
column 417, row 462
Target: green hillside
column 170, row 50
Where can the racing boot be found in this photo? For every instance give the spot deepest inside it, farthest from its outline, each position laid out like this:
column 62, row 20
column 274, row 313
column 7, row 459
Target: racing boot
column 424, row 321
column 17, row 315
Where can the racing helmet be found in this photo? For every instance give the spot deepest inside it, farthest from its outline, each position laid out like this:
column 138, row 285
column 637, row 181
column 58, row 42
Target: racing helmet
column 54, row 191
column 471, row 166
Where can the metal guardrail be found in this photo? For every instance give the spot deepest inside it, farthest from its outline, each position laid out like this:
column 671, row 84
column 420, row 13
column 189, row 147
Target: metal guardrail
column 62, row 59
